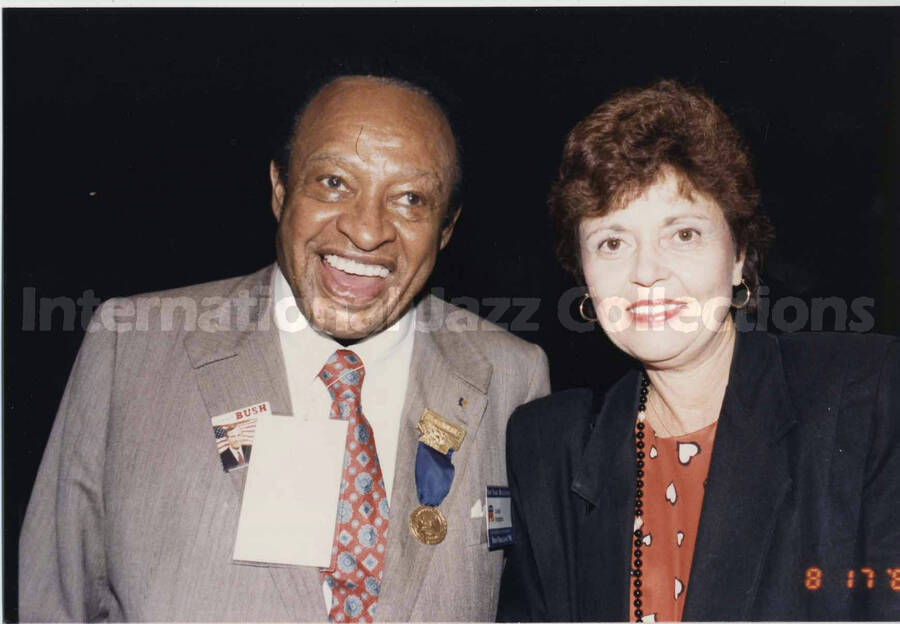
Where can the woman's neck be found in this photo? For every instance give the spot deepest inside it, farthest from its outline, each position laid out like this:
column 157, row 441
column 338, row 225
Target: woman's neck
column 688, row 398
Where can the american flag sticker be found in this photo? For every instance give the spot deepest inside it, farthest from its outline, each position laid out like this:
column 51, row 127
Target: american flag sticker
column 234, row 432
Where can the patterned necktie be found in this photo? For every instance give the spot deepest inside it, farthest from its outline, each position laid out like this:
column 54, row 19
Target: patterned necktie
column 360, row 538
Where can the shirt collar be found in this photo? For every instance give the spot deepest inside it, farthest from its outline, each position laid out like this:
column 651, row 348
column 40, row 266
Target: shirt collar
column 300, row 337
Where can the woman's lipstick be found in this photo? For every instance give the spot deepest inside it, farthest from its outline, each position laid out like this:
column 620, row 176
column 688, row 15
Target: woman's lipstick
column 656, row 311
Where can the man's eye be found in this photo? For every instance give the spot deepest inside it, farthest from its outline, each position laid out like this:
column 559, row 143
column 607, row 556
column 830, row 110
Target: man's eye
column 412, row 199
column 332, row 182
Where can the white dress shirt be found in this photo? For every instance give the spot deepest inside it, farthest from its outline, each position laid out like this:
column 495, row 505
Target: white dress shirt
column 386, row 357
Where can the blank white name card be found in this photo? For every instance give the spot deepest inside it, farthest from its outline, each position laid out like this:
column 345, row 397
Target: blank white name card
column 291, row 492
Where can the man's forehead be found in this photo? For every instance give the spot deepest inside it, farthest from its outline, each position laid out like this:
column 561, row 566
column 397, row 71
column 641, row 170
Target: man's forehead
column 389, row 113
column 368, row 92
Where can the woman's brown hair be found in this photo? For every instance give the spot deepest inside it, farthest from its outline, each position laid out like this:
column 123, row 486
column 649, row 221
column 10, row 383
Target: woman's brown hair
column 628, row 142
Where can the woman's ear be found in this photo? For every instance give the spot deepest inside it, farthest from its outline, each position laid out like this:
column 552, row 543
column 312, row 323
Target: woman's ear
column 737, row 273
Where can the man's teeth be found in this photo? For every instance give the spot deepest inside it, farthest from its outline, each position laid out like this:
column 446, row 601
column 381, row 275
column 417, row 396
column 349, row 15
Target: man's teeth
column 356, row 268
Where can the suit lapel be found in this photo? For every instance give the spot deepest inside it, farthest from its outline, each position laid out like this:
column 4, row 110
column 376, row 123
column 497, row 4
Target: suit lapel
column 604, row 478
column 242, row 365
column 443, row 371
column 748, row 480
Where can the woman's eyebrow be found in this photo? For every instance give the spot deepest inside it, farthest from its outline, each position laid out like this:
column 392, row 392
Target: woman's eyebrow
column 615, row 227
column 686, row 215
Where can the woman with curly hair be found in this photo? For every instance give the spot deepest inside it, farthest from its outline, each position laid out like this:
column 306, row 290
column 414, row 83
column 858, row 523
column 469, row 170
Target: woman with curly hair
column 730, row 475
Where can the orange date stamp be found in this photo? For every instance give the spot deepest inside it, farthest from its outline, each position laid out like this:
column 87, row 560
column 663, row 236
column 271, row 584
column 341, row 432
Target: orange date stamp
column 867, row 578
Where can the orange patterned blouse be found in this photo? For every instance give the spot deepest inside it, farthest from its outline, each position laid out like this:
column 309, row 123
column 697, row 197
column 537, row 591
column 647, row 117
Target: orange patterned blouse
column 674, row 473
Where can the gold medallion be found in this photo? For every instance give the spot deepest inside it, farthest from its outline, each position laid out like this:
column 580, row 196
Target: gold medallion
column 428, row 525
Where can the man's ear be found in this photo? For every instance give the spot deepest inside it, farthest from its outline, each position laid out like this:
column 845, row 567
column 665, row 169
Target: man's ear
column 447, row 230
column 277, row 190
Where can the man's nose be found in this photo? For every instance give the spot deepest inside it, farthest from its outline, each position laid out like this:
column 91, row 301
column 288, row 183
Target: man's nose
column 367, row 223
column 649, row 267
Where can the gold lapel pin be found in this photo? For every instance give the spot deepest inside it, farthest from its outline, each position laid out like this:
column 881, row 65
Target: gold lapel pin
column 439, row 433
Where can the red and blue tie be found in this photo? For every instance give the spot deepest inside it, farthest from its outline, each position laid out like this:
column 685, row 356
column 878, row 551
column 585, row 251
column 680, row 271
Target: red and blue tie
column 360, row 537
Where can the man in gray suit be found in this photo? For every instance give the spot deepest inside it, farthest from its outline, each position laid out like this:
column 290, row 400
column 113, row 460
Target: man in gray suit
column 133, row 516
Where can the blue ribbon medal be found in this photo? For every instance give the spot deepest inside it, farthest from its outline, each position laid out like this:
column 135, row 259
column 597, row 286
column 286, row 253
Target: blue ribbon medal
column 438, row 439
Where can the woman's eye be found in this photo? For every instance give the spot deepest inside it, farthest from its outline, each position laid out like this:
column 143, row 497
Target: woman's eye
column 687, row 235
column 611, row 244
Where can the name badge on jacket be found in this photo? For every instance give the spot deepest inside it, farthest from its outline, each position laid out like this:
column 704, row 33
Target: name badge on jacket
column 499, row 517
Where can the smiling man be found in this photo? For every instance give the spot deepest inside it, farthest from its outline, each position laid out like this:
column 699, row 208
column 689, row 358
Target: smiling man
column 364, row 207
column 338, row 329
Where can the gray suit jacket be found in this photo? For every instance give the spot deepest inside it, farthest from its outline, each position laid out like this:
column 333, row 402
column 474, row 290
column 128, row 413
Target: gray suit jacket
column 133, row 518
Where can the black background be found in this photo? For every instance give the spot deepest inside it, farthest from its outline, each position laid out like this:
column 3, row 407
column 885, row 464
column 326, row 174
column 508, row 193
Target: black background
column 136, row 145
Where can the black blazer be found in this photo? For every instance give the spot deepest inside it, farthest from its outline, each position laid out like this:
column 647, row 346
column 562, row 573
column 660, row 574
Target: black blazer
column 805, row 473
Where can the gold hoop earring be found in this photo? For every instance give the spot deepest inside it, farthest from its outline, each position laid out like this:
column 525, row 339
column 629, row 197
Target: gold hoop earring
column 584, row 299
column 746, row 298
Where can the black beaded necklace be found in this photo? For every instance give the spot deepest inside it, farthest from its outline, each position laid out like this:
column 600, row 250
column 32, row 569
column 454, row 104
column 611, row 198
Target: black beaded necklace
column 636, row 572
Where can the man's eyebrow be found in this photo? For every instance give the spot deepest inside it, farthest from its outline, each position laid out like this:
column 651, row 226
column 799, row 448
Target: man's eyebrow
column 410, row 172
column 330, row 156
